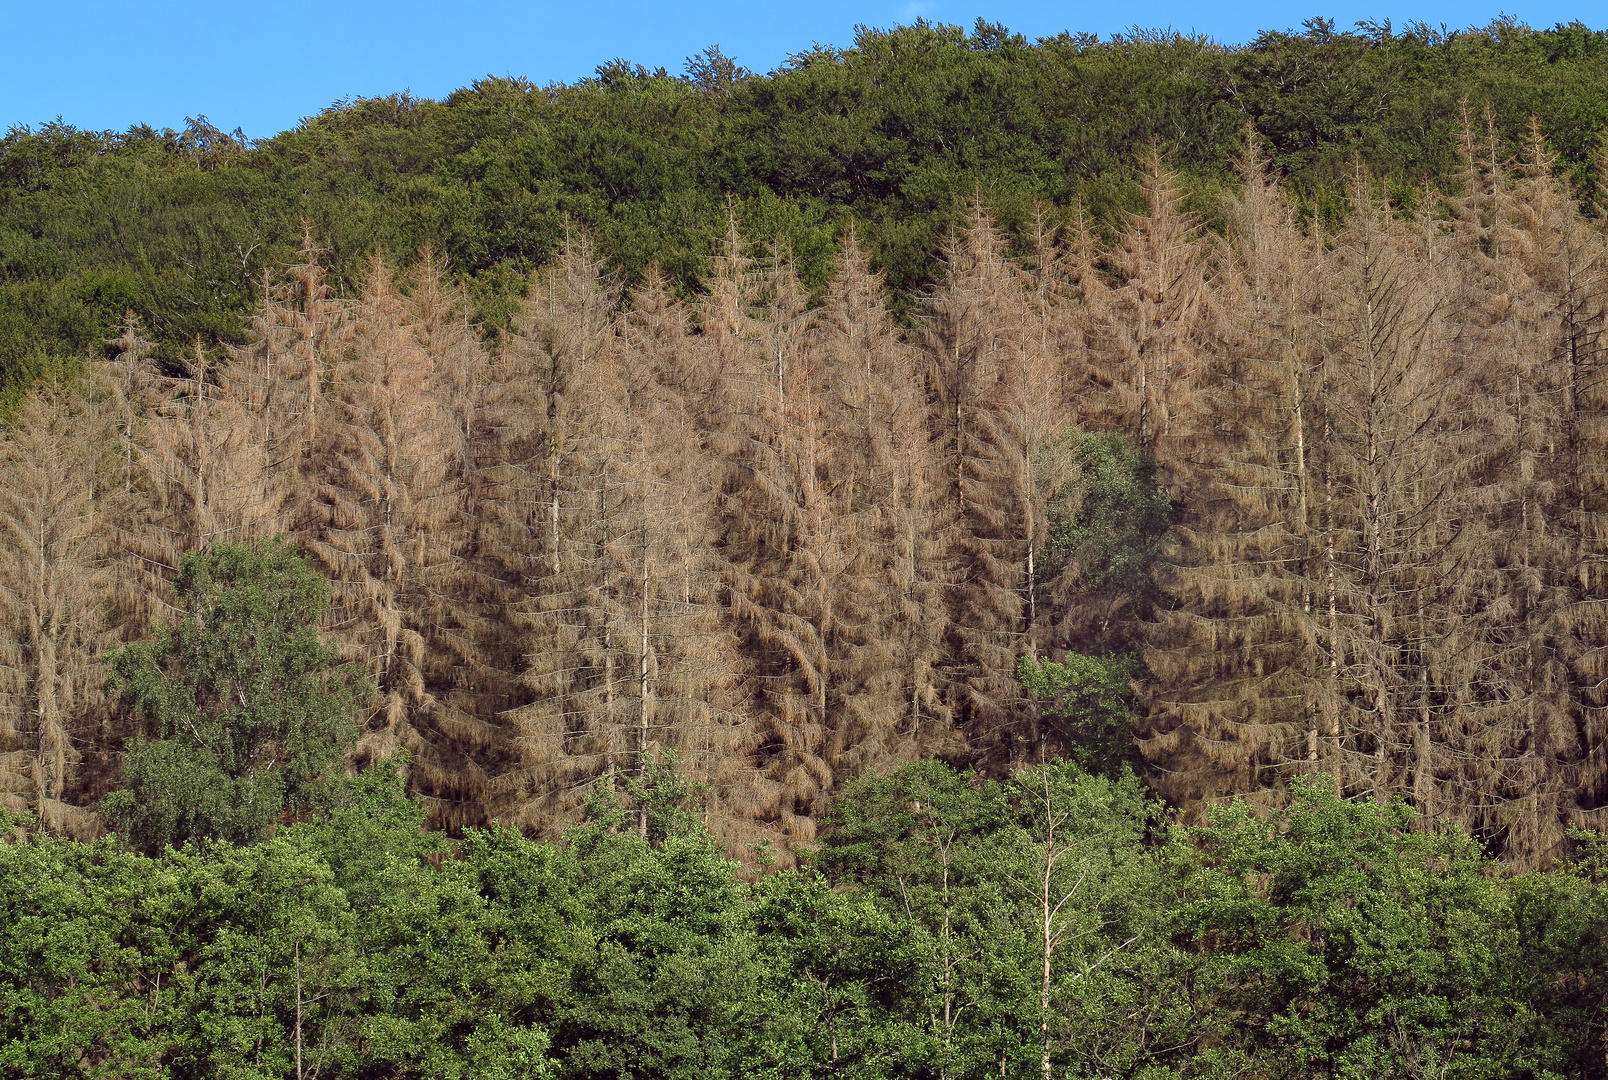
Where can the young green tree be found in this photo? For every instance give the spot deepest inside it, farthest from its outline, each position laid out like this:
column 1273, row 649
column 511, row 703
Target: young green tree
column 915, row 843
column 1106, row 536
column 68, row 958
column 243, row 711
column 1349, row 940
column 1031, row 919
column 1082, row 896
column 832, row 963
column 1088, row 703
column 662, row 974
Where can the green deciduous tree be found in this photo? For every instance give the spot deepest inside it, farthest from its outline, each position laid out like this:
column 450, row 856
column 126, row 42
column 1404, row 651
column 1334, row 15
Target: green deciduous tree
column 1104, row 544
column 1031, row 920
column 242, row 710
column 833, row 963
column 1084, row 904
column 1089, row 700
column 1356, row 939
column 662, row 975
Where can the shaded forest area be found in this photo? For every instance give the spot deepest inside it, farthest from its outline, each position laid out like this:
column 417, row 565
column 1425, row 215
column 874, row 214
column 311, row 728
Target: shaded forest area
column 1340, row 489
column 898, row 132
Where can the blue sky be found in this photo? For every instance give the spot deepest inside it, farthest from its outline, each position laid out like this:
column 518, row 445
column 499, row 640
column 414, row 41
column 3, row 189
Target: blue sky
column 262, row 66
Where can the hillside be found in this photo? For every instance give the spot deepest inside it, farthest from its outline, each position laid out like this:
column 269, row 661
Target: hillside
column 897, row 133
column 1339, row 490
column 956, row 558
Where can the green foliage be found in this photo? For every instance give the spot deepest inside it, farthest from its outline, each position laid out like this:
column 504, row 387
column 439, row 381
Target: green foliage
column 83, row 923
column 659, row 804
column 260, row 926
column 1116, row 535
column 1327, row 939
column 831, row 963
column 975, row 878
column 245, row 712
column 1093, row 900
column 884, row 832
column 1091, row 698
column 1590, row 855
column 1359, row 940
column 1561, row 922
column 662, row 968
column 897, row 131
column 211, row 961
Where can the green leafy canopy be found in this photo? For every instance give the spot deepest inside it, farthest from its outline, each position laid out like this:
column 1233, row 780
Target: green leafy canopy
column 245, row 711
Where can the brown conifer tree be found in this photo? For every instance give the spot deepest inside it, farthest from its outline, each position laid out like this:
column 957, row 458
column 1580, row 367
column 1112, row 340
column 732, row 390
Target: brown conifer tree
column 995, row 396
column 189, row 474
column 892, row 612
column 1515, row 396
column 783, row 527
column 1544, row 306
column 468, row 684
column 300, row 333
column 1401, row 452
column 1245, row 672
column 1143, row 330
column 679, row 652
column 55, row 612
column 627, row 656
column 133, row 390
column 206, row 470
column 386, row 524
column 542, row 474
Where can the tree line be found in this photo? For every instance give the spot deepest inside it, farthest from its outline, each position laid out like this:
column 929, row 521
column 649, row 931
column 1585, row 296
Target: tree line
column 945, row 926
column 896, row 131
column 1328, row 496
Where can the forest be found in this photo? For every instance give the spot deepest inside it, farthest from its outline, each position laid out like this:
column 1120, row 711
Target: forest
column 895, row 133
column 1130, row 604
column 1058, row 921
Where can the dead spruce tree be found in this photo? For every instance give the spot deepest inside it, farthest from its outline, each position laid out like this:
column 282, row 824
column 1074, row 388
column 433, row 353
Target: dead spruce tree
column 784, row 529
column 133, row 389
column 1545, row 303
column 456, row 613
column 55, row 609
column 681, row 654
column 540, row 491
column 892, row 612
column 604, row 516
column 994, row 392
column 206, row 471
column 1400, row 452
column 1245, row 687
column 386, row 523
column 1384, row 561
column 1143, row 330
column 300, row 332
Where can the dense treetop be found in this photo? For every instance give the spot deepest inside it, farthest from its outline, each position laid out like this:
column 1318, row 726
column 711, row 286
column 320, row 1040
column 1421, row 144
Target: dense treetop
column 896, row 133
column 1045, row 925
